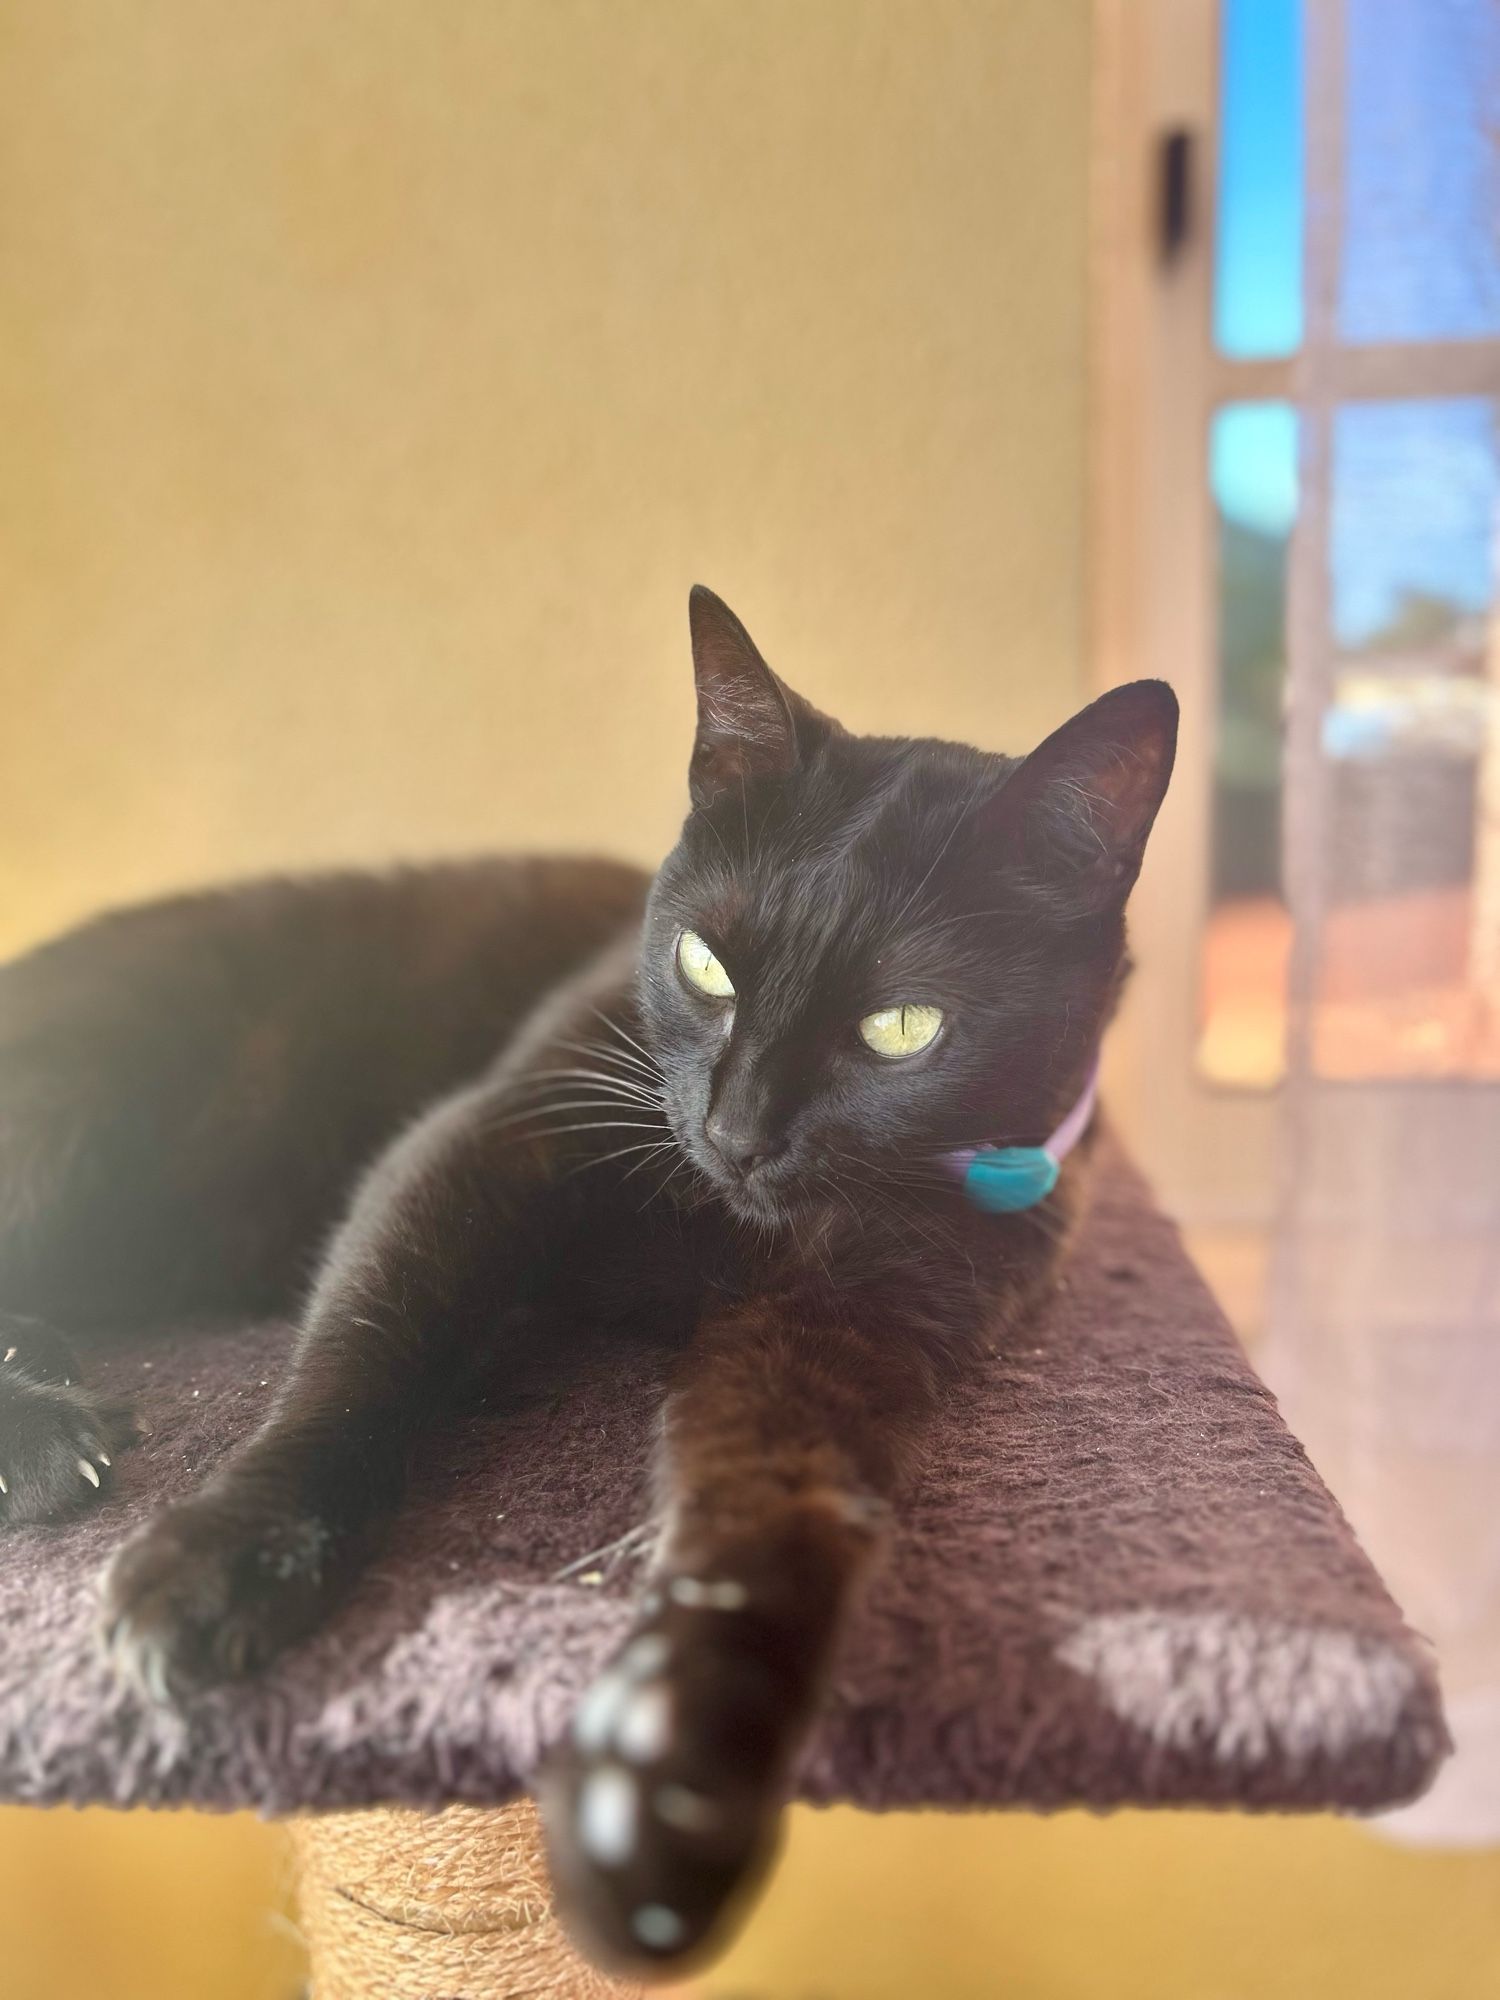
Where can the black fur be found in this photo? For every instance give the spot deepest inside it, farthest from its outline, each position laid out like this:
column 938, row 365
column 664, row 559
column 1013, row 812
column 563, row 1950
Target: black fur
column 193, row 1092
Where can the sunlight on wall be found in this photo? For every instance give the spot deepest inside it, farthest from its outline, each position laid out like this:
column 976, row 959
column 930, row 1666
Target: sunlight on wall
column 376, row 382
column 1141, row 1906
column 144, row 1906
column 1168, row 1906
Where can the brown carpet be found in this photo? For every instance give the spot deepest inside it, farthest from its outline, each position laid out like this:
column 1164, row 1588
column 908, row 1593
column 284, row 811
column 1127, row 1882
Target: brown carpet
column 1118, row 1581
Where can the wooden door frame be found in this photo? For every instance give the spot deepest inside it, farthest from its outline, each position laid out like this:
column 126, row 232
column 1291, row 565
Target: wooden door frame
column 1153, row 380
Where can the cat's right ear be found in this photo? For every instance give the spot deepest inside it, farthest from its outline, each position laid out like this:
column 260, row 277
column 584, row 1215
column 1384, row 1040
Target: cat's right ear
column 749, row 724
column 1075, row 814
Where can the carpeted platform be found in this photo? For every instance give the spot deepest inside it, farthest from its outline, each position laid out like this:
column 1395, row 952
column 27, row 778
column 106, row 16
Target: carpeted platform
column 1119, row 1581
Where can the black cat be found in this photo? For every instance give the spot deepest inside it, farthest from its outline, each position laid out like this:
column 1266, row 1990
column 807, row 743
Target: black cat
column 810, row 1097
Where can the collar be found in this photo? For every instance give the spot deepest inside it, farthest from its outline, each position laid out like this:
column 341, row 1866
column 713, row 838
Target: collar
column 1001, row 1180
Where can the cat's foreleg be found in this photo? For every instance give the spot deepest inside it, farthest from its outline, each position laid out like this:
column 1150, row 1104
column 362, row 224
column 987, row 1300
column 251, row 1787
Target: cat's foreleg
column 443, row 1239
column 780, row 1451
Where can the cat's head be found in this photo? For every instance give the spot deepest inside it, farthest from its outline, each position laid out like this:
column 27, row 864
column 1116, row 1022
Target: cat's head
column 866, row 951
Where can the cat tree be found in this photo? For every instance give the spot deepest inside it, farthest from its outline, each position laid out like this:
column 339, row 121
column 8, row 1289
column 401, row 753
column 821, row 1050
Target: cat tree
column 1119, row 1581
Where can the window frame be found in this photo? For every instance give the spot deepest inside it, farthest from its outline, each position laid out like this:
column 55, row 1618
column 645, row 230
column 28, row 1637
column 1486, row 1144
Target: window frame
column 1157, row 381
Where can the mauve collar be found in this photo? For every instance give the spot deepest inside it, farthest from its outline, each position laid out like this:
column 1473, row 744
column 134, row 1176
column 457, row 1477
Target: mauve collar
column 1002, row 1180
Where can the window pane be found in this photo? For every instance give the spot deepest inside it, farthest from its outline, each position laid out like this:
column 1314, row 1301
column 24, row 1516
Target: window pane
column 1258, row 276
column 1253, row 473
column 1409, row 964
column 1422, row 165
column 1413, row 517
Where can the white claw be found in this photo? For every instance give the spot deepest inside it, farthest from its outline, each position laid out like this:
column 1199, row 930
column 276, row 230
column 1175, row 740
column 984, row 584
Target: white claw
column 3, row 1487
column 154, row 1675
column 10, row 1354
column 692, row 1590
column 88, row 1471
column 102, row 1456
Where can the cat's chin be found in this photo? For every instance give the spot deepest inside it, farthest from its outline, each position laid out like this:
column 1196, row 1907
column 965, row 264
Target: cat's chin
column 780, row 1207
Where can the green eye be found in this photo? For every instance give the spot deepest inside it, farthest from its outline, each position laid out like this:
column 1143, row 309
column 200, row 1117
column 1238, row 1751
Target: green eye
column 701, row 969
column 901, row 1031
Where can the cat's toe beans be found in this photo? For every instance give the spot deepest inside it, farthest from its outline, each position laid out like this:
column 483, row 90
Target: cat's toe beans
column 659, row 1928
column 643, row 1732
column 687, row 1811
column 613, row 1856
column 661, row 1808
column 648, row 1868
column 607, row 1815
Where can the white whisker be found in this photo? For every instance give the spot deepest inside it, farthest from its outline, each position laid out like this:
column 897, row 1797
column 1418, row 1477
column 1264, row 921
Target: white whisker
column 615, row 1028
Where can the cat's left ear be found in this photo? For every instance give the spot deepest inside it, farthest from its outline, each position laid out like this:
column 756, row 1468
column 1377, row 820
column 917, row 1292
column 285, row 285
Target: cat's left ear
column 750, row 724
column 1077, row 811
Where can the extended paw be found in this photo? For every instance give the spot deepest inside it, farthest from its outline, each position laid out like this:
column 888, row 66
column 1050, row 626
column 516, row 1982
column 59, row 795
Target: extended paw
column 211, row 1591
column 58, row 1438
column 662, row 1806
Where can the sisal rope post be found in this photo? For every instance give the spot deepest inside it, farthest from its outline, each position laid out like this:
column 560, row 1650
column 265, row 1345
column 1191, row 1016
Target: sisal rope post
column 454, row 1905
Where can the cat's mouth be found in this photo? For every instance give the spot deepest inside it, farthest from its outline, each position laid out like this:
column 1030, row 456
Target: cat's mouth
column 768, row 1199
column 767, row 1196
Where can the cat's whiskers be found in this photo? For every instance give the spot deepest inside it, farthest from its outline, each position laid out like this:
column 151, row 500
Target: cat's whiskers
column 573, row 1087
column 944, row 1242
column 548, row 1107
column 633, row 1059
column 618, row 1086
column 923, row 1221
column 698, row 1187
column 830, row 1181
column 822, row 1260
column 617, row 1058
column 551, row 1087
column 915, row 1173
column 647, row 1146
column 536, row 1123
column 630, row 1040
column 662, row 1146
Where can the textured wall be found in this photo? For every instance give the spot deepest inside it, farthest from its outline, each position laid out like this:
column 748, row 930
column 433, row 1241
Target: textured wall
column 376, row 378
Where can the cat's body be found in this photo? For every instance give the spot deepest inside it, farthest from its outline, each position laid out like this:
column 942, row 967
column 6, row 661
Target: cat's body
column 723, row 1112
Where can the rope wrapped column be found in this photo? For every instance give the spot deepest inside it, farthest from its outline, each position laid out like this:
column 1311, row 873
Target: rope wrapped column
column 454, row 1905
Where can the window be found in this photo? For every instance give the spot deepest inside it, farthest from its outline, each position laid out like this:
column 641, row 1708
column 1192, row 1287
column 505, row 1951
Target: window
column 1380, row 326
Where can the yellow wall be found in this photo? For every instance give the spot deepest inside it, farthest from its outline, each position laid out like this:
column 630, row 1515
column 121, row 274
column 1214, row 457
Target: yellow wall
column 376, row 378
column 1141, row 1906
column 145, row 1906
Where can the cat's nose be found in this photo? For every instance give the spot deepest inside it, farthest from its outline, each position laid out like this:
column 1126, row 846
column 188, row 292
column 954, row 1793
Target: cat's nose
column 743, row 1147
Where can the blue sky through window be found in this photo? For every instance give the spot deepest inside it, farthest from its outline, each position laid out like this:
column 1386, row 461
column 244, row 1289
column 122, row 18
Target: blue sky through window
column 1253, row 465
column 1258, row 281
column 1415, row 485
column 1415, row 495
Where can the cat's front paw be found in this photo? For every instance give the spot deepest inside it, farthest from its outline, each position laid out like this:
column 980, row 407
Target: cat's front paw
column 211, row 1591
column 58, row 1438
column 662, row 1806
